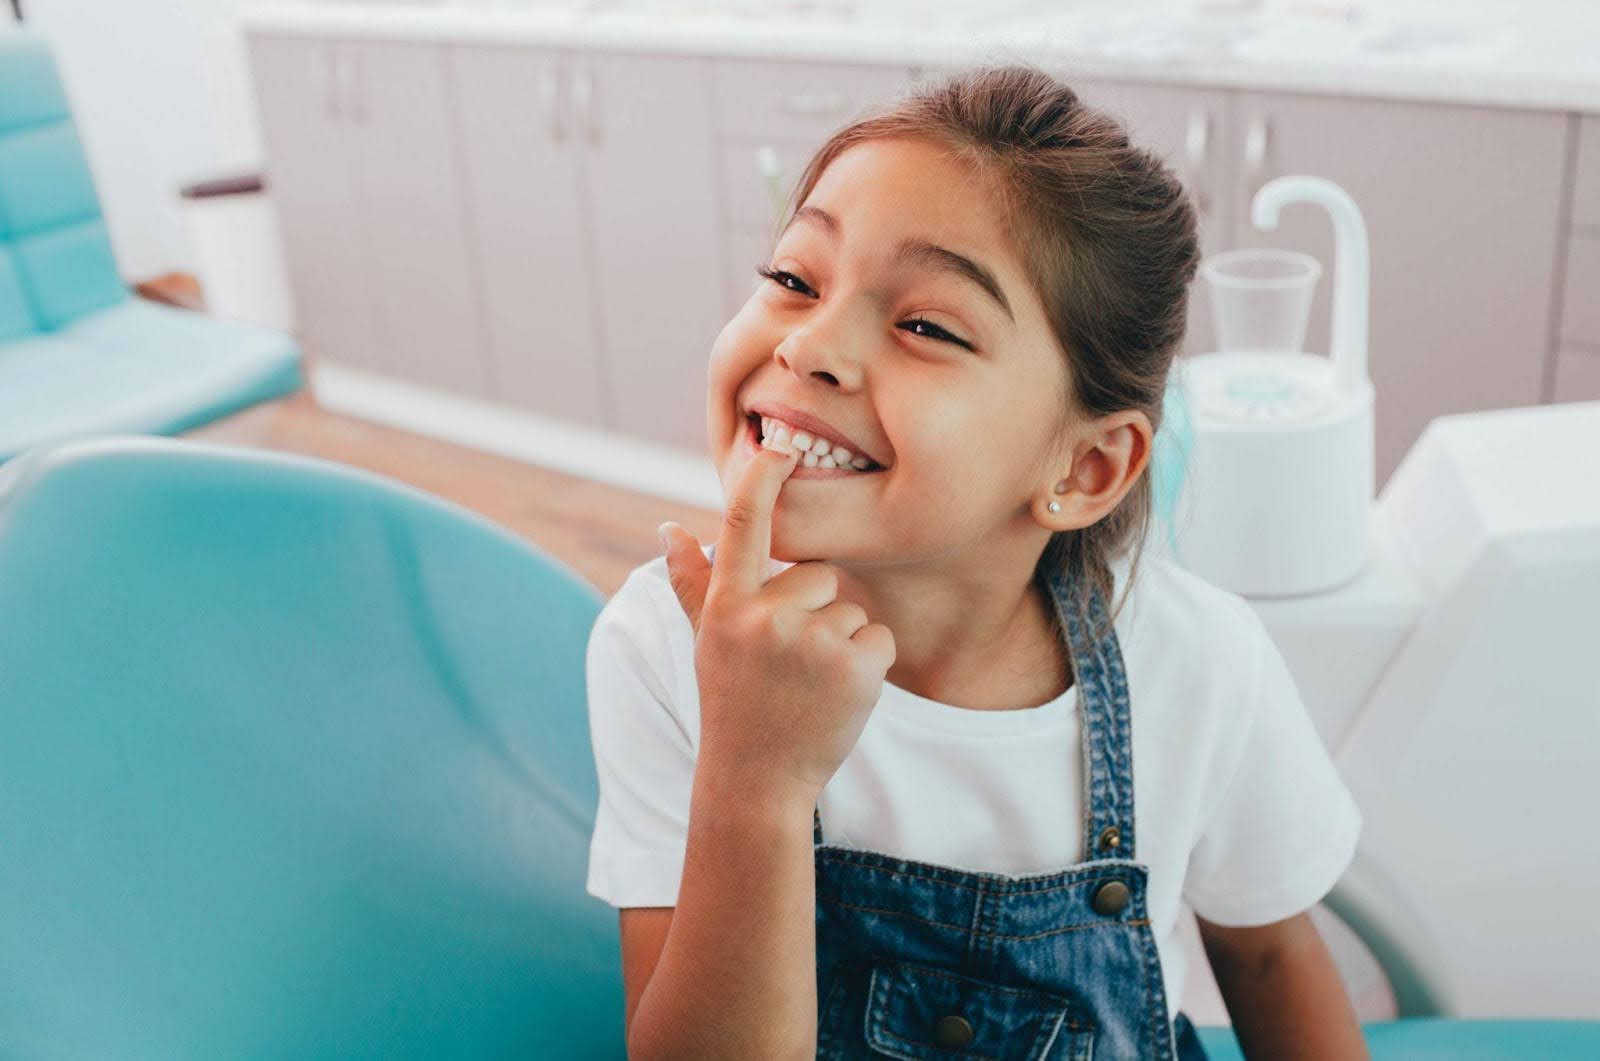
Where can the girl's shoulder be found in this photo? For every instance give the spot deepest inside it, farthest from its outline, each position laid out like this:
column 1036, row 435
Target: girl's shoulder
column 1172, row 605
column 1188, row 641
column 645, row 605
column 644, row 622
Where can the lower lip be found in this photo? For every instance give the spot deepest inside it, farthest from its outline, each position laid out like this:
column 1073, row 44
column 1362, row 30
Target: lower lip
column 752, row 438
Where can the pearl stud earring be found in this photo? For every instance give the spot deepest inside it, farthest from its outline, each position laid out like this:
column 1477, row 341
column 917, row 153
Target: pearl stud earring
column 1054, row 506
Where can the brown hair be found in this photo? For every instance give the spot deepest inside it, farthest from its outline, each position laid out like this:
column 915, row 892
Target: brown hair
column 1106, row 234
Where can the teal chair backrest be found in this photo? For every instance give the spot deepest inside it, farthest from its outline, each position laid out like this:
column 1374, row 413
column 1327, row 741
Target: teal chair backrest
column 294, row 762
column 55, row 258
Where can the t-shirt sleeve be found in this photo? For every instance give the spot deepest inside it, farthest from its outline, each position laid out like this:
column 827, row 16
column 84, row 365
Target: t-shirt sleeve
column 1285, row 826
column 643, row 756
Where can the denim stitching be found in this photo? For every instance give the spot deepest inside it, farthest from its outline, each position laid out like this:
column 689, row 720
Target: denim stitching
column 917, row 969
column 976, row 935
column 1092, row 870
column 972, row 932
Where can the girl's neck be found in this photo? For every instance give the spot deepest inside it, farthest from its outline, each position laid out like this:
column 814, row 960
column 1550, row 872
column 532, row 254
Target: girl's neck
column 985, row 642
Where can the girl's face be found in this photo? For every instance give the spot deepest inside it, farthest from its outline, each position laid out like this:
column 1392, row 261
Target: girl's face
column 898, row 315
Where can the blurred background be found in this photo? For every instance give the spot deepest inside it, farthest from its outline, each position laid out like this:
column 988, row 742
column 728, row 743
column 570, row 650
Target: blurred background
column 407, row 237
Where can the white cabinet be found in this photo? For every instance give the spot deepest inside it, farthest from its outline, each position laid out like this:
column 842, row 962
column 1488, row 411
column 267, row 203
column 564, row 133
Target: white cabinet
column 650, row 198
column 416, row 242
column 1576, row 370
column 524, row 184
column 363, row 166
column 305, row 120
column 594, row 214
column 566, row 231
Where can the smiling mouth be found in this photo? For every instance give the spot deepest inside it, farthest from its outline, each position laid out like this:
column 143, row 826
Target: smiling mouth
column 815, row 469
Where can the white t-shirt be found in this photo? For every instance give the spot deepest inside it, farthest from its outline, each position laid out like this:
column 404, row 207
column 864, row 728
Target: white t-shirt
column 1238, row 810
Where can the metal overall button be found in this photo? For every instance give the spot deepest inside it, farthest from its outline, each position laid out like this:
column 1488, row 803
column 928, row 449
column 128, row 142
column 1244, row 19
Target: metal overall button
column 951, row 1032
column 1110, row 837
column 924, row 1011
column 1110, row 898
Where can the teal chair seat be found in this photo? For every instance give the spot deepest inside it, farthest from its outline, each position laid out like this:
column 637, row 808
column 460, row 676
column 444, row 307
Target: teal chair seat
column 78, row 355
column 136, row 367
column 294, row 762
column 1441, row 1039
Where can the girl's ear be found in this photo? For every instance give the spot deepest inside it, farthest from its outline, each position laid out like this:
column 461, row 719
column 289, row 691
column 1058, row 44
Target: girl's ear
column 1110, row 459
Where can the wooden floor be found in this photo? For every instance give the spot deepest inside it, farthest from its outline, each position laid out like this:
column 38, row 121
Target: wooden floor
column 601, row 531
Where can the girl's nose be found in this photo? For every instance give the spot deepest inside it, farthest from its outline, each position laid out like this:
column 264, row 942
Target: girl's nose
column 827, row 349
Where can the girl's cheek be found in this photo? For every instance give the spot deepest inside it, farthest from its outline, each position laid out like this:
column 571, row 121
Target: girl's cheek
column 731, row 344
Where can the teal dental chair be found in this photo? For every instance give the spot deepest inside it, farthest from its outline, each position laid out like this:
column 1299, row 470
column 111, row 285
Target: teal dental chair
column 294, row 762
column 79, row 355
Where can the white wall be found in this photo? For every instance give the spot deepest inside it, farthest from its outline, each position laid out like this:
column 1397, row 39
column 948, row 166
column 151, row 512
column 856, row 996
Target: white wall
column 161, row 95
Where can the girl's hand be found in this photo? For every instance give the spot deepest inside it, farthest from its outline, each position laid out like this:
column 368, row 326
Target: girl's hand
column 787, row 674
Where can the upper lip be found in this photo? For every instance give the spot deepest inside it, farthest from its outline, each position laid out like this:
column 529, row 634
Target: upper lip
column 811, row 424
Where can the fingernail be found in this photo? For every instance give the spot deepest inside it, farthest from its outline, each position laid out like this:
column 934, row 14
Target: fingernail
column 661, row 532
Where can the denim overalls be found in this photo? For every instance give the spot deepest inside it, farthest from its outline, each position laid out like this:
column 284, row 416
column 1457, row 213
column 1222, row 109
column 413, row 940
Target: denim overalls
column 922, row 961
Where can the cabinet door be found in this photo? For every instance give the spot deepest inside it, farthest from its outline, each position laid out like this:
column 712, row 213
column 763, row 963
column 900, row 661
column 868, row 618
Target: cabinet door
column 411, row 191
column 303, row 96
column 1187, row 128
column 1462, row 214
column 649, row 170
column 525, row 222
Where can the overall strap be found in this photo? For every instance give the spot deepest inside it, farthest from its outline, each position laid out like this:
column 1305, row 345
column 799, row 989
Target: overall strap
column 1104, row 724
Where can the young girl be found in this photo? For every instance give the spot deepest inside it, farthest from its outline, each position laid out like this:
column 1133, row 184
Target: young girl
column 882, row 773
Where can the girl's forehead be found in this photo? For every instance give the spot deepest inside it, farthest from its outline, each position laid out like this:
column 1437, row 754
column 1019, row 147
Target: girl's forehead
column 911, row 183
column 914, row 206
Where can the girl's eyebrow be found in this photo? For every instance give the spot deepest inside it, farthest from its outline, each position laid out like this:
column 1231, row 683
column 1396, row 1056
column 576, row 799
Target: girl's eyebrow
column 917, row 252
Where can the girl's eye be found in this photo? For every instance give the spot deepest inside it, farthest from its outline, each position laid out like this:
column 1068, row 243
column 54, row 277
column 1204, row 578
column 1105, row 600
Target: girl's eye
column 936, row 333
column 782, row 278
column 779, row 277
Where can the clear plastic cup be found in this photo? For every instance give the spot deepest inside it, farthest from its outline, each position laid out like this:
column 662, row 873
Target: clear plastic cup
column 1261, row 299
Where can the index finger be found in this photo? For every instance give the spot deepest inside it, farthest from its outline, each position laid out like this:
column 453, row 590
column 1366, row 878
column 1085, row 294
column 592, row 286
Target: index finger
column 746, row 542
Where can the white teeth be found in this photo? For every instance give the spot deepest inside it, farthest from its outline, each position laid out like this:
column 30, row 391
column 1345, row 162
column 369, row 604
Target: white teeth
column 815, row 452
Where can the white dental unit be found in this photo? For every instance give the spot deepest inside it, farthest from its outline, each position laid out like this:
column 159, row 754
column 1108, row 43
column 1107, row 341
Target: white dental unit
column 1443, row 634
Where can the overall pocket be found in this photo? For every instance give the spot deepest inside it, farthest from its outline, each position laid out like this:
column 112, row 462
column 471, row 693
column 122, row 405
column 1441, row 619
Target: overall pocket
column 931, row 1014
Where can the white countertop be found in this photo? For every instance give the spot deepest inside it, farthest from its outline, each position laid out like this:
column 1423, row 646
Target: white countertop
column 1542, row 54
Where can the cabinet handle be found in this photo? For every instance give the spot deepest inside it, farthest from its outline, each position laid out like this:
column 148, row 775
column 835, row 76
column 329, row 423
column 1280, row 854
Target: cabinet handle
column 549, row 89
column 811, row 103
column 583, row 101
column 771, row 170
column 1195, row 143
column 1255, row 155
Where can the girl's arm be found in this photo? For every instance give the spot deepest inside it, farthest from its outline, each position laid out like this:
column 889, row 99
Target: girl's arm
column 732, row 972
column 788, row 674
column 1283, row 991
